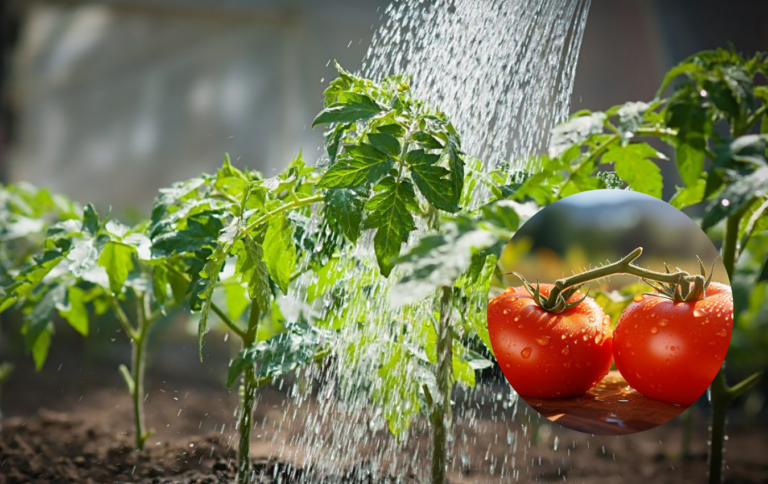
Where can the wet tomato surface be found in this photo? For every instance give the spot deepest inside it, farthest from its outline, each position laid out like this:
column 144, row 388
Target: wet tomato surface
column 546, row 355
column 671, row 351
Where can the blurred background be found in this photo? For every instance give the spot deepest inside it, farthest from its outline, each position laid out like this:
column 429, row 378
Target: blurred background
column 109, row 100
column 586, row 230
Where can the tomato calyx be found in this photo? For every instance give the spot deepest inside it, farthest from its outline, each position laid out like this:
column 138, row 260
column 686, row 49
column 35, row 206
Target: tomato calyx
column 686, row 289
column 561, row 302
column 679, row 286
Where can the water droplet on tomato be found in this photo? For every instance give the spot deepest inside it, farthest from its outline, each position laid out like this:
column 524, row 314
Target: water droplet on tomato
column 585, row 337
column 722, row 333
column 520, row 326
column 567, row 364
column 672, row 348
column 509, row 289
column 526, row 352
column 563, row 336
column 654, row 330
column 591, row 319
column 566, row 350
column 699, row 312
column 517, row 318
column 506, row 311
column 598, row 339
column 653, row 315
column 638, row 375
column 543, row 340
column 639, row 298
column 663, row 323
column 513, row 298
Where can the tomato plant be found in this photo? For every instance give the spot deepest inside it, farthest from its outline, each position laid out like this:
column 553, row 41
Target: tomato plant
column 545, row 355
column 671, row 351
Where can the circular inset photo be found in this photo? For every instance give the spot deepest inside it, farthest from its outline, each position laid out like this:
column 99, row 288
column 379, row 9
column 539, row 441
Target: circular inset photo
column 610, row 312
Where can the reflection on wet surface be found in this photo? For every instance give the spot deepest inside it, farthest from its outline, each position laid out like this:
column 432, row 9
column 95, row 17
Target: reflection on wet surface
column 610, row 408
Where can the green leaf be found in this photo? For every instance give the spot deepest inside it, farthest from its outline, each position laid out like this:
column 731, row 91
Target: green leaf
column 75, row 311
column 575, row 131
column 357, row 107
column 298, row 346
column 37, row 324
column 160, row 284
column 427, row 141
column 434, row 181
column 740, row 192
column 344, row 210
column 389, row 211
column 209, row 277
column 40, row 349
column 438, row 260
column 202, row 232
column 632, row 164
column 502, row 214
column 687, row 196
column 455, row 163
column 333, row 139
column 386, row 143
column 254, row 272
column 362, row 164
column 280, row 251
column 117, row 259
column 90, row 220
column 690, row 120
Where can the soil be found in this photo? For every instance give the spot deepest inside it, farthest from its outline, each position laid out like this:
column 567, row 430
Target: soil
column 71, row 424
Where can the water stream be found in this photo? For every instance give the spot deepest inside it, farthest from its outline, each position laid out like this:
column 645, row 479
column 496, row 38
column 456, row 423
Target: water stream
column 503, row 72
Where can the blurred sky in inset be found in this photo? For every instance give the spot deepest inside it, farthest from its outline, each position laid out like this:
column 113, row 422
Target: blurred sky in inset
column 605, row 225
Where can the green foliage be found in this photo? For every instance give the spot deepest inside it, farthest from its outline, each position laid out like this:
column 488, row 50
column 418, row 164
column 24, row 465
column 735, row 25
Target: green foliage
column 392, row 155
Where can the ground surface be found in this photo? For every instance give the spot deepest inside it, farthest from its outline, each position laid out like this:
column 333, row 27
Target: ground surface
column 71, row 424
column 611, row 408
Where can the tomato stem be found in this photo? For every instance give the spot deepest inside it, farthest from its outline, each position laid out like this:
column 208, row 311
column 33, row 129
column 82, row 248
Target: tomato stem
column 556, row 302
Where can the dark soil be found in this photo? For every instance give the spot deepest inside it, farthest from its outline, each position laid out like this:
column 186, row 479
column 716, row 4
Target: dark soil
column 71, row 423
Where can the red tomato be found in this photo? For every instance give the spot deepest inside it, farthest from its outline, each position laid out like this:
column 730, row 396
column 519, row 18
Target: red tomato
column 547, row 355
column 672, row 351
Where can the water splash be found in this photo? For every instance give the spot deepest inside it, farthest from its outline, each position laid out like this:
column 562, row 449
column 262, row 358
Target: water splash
column 502, row 70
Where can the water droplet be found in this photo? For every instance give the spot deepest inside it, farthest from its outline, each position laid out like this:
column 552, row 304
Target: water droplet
column 591, row 319
column 517, row 318
column 506, row 311
column 520, row 326
column 566, row 350
column 725, row 202
column 567, row 364
column 639, row 298
column 563, row 336
column 585, row 337
column 599, row 338
column 526, row 352
column 623, row 401
column 543, row 340
column 698, row 312
column 509, row 289
column 722, row 333
column 654, row 330
column 672, row 348
column 663, row 323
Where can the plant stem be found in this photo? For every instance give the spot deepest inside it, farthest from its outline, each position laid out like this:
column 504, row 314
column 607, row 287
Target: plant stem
column 720, row 394
column 247, row 400
column 284, row 208
column 441, row 411
column 624, row 266
column 685, row 447
column 138, row 361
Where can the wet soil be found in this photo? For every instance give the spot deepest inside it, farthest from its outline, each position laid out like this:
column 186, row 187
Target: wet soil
column 71, row 423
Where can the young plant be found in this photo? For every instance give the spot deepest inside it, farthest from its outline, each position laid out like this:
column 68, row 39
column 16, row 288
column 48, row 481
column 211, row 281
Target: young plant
column 261, row 228
column 396, row 166
column 89, row 265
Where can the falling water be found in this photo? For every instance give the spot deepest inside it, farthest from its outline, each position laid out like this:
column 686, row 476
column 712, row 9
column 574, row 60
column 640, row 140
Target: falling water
column 503, row 71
